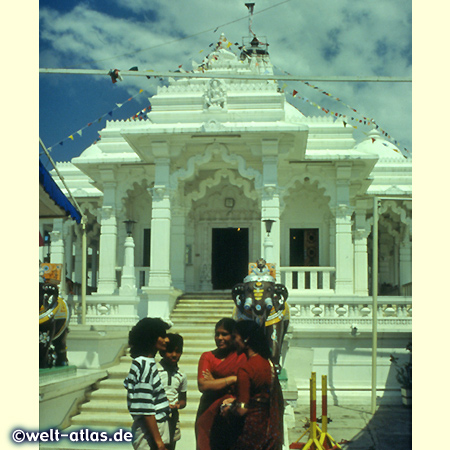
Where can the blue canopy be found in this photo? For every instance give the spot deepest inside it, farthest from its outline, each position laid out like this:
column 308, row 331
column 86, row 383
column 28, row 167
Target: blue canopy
column 54, row 192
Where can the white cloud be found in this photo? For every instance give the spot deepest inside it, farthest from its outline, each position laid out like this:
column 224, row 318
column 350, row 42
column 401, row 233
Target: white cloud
column 320, row 37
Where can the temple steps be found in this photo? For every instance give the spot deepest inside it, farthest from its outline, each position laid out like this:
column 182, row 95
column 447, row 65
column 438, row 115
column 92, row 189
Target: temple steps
column 194, row 318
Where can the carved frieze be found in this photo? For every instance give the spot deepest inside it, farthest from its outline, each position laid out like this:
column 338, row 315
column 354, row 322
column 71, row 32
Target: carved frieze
column 215, row 97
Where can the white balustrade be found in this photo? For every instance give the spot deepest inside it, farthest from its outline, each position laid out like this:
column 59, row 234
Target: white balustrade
column 308, row 279
column 392, row 311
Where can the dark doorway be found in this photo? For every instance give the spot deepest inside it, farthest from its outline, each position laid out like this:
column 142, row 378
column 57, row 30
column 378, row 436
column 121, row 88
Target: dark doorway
column 303, row 250
column 304, row 247
column 229, row 257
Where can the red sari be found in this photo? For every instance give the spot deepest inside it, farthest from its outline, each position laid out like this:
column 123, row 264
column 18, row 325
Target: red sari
column 258, row 386
column 210, row 401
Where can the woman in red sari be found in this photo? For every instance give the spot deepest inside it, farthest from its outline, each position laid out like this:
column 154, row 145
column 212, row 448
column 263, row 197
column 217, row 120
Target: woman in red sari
column 256, row 414
column 217, row 370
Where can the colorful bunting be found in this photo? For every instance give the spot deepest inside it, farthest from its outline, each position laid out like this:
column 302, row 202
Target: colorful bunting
column 115, row 75
column 365, row 120
column 110, row 113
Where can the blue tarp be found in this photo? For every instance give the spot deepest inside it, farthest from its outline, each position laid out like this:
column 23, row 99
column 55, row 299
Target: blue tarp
column 55, row 193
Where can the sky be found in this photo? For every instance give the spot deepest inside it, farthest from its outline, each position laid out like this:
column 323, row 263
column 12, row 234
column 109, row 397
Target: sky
column 306, row 38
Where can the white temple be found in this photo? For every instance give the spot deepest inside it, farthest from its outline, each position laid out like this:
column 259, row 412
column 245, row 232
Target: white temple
column 200, row 176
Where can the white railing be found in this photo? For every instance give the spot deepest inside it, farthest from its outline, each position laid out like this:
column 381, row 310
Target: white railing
column 308, row 279
column 392, row 311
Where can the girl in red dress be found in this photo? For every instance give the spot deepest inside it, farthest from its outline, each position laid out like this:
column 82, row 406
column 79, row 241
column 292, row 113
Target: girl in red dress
column 217, row 370
column 256, row 414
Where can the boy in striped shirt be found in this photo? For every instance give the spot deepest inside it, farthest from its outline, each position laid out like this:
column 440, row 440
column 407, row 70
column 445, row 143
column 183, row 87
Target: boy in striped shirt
column 146, row 398
column 174, row 382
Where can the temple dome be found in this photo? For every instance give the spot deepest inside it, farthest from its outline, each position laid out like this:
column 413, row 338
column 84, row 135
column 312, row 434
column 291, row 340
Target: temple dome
column 376, row 144
column 292, row 113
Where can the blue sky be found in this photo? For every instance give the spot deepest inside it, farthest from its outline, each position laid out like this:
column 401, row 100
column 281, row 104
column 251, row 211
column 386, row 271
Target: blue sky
column 316, row 37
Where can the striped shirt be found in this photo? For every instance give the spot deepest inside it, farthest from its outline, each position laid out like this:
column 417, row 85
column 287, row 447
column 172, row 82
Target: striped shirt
column 173, row 381
column 146, row 395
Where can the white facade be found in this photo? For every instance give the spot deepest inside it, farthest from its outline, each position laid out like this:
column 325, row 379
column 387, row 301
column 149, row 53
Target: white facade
column 212, row 161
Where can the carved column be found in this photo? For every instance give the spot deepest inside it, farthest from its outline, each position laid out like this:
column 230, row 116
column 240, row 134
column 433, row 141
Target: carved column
column 405, row 259
column 77, row 270
column 107, row 282
column 160, row 276
column 270, row 201
column 178, row 248
column 361, row 232
column 344, row 244
column 128, row 280
column 94, row 263
column 68, row 248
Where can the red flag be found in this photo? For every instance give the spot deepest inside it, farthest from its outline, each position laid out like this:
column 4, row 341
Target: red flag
column 295, row 92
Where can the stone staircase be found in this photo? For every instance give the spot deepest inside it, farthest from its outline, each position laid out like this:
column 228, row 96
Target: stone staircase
column 194, row 318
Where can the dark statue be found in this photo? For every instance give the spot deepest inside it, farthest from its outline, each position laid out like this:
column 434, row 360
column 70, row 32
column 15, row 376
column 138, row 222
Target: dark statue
column 53, row 321
column 261, row 299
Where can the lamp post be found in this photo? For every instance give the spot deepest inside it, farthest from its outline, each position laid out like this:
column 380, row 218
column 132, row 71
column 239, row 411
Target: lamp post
column 128, row 279
column 268, row 243
column 129, row 226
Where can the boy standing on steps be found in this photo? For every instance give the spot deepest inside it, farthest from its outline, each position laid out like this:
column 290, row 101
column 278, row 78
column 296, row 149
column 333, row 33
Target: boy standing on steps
column 146, row 398
column 174, row 382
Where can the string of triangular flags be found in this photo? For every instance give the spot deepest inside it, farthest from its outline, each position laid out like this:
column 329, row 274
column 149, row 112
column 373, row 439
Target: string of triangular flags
column 345, row 118
column 115, row 75
column 98, row 120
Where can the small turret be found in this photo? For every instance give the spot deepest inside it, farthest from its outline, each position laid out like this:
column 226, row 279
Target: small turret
column 256, row 47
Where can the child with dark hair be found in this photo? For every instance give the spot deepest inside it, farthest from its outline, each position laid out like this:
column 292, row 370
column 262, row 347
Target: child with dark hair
column 146, row 398
column 175, row 384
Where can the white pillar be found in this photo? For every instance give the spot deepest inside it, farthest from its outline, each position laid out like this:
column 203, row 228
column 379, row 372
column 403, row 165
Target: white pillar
column 107, row 282
column 68, row 248
column 78, row 256
column 160, row 276
column 205, row 249
column 360, row 245
column 128, row 280
column 344, row 244
column 178, row 248
column 405, row 260
column 270, row 203
column 94, row 263
column 332, row 237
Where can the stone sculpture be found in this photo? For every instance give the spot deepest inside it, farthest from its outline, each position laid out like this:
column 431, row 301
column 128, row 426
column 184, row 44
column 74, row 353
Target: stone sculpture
column 53, row 321
column 261, row 299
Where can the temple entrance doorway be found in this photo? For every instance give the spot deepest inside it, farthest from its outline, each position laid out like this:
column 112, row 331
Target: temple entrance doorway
column 229, row 257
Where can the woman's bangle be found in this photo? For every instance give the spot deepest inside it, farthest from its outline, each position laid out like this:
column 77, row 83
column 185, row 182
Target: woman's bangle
column 226, row 381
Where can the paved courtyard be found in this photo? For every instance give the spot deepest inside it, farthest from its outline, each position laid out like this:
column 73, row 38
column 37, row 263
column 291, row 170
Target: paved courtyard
column 355, row 428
